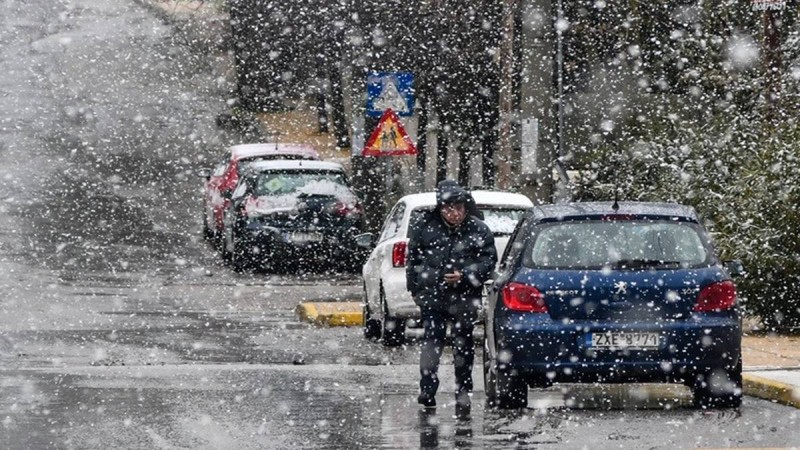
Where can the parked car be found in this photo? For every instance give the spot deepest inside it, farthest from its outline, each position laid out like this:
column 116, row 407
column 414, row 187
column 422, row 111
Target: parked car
column 220, row 181
column 613, row 293
column 387, row 303
column 293, row 213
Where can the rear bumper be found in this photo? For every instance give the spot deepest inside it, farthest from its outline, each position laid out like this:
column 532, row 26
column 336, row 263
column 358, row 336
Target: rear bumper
column 398, row 299
column 334, row 245
column 538, row 347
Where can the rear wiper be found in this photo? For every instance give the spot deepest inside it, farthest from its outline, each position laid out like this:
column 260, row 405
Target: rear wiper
column 640, row 263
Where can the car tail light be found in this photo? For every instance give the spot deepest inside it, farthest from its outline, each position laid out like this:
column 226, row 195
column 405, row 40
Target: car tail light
column 346, row 209
column 231, row 178
column 521, row 297
column 719, row 296
column 399, row 253
column 247, row 206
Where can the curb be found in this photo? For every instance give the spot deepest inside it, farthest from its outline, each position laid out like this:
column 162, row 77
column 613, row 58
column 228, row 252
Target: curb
column 756, row 386
column 332, row 314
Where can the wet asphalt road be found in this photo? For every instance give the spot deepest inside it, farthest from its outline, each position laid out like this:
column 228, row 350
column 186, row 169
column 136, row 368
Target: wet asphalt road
column 119, row 326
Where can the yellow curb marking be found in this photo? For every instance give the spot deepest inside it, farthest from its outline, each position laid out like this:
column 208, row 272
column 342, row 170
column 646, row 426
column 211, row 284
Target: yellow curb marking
column 332, row 314
column 756, row 386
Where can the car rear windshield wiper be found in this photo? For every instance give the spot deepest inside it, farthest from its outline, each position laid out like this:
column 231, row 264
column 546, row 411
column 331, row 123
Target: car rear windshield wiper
column 644, row 263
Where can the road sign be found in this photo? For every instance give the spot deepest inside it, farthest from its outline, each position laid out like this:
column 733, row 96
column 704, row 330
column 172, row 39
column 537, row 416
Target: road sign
column 389, row 138
column 390, row 90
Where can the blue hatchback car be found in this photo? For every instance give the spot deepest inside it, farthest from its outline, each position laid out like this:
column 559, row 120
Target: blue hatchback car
column 613, row 293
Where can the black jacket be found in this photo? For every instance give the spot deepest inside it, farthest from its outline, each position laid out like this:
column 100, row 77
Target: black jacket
column 435, row 248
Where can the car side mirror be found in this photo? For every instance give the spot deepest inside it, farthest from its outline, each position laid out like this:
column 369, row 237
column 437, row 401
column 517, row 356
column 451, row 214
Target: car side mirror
column 365, row 240
column 734, row 267
column 204, row 173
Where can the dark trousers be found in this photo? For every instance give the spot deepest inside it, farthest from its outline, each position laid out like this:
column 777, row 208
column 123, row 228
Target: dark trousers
column 435, row 323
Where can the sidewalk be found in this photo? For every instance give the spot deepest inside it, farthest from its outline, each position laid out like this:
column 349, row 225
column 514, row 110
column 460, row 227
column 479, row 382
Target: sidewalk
column 771, row 365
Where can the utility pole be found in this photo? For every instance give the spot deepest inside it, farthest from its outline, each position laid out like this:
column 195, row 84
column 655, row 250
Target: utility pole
column 561, row 192
column 505, row 178
column 537, row 113
column 772, row 56
column 772, row 59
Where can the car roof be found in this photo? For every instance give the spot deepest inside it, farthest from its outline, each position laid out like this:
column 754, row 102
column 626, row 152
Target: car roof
column 293, row 164
column 273, row 148
column 482, row 197
column 584, row 209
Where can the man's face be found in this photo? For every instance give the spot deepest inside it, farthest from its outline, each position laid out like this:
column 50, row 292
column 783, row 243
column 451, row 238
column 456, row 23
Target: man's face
column 454, row 213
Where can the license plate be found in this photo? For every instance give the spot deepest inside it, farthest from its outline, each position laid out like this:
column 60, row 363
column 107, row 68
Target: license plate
column 624, row 340
column 301, row 237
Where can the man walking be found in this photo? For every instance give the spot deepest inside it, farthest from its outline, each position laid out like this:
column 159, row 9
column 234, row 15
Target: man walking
column 451, row 254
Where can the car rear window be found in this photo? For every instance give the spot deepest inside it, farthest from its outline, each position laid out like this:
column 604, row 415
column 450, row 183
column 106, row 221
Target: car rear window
column 276, row 156
column 501, row 220
column 631, row 245
column 301, row 182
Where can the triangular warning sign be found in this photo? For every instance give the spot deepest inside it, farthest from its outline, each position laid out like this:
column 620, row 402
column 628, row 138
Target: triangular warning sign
column 389, row 138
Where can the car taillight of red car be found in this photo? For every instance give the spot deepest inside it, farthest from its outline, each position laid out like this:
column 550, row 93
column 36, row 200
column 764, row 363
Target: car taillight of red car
column 399, row 254
column 524, row 298
column 719, row 296
column 346, row 209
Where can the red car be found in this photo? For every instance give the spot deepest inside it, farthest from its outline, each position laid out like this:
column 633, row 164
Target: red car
column 220, row 181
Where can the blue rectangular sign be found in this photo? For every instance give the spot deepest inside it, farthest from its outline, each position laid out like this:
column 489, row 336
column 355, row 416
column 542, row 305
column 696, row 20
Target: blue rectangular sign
column 390, row 90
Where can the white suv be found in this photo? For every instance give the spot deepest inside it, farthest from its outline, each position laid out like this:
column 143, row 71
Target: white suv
column 387, row 304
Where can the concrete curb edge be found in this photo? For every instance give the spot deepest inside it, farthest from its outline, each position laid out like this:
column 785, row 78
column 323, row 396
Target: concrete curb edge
column 331, row 314
column 756, row 386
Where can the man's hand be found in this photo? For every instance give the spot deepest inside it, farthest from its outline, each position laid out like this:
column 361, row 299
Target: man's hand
column 453, row 277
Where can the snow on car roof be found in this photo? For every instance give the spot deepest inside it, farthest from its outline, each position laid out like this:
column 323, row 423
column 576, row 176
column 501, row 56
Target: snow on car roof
column 482, row 197
column 284, row 164
column 273, row 148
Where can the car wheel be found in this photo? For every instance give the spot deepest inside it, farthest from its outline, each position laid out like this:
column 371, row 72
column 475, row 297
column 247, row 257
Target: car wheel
column 503, row 390
column 241, row 258
column 207, row 233
column 719, row 388
column 393, row 330
column 226, row 244
column 353, row 263
column 371, row 327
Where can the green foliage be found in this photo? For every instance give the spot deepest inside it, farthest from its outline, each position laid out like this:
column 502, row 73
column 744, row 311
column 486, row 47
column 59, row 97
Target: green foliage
column 705, row 138
column 747, row 187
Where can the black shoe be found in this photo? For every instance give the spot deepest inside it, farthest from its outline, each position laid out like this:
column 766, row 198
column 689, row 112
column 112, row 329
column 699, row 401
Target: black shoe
column 463, row 405
column 462, row 411
column 428, row 401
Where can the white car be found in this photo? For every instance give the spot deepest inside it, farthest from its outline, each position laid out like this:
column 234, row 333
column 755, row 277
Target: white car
column 387, row 303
